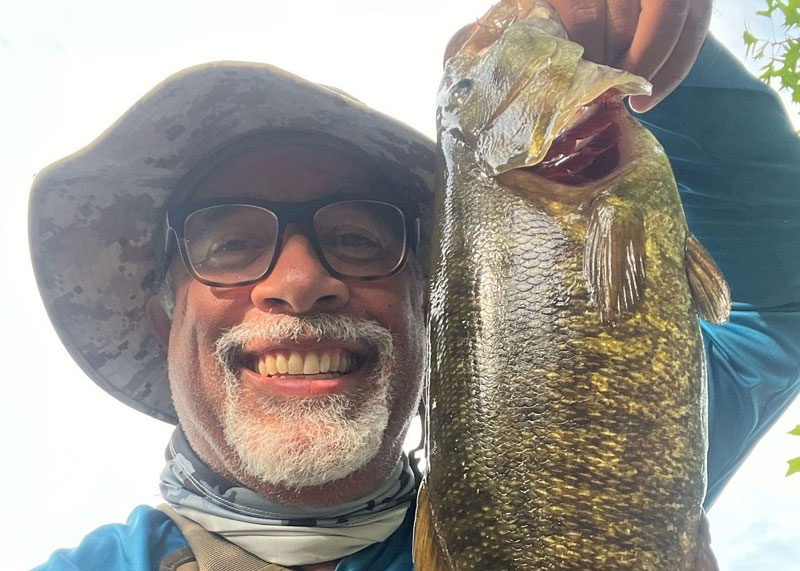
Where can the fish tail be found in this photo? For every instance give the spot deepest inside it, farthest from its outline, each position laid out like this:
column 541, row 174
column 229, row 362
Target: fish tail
column 704, row 559
column 427, row 554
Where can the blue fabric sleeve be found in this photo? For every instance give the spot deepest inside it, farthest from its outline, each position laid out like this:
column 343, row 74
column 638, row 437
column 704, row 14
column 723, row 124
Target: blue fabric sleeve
column 737, row 162
column 140, row 545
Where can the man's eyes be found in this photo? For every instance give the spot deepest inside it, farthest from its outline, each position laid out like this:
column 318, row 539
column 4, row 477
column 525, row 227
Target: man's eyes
column 352, row 241
column 235, row 246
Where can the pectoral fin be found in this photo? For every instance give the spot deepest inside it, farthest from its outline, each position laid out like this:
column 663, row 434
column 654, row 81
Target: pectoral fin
column 613, row 261
column 427, row 553
column 710, row 291
column 704, row 558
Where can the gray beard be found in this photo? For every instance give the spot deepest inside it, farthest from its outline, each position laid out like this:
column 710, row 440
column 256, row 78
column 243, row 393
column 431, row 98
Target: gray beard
column 304, row 442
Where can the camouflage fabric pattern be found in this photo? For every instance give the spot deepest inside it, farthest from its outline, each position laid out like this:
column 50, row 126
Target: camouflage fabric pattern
column 97, row 217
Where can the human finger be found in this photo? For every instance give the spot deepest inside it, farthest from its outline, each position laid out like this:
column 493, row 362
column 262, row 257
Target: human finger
column 657, row 33
column 622, row 19
column 585, row 23
column 683, row 56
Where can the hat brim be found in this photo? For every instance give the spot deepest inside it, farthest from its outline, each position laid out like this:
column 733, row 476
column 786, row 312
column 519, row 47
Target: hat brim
column 96, row 217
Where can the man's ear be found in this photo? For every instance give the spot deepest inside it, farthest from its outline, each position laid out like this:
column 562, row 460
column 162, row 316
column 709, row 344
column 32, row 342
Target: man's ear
column 158, row 320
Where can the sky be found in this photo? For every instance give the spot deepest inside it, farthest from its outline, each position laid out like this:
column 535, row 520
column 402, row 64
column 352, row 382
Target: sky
column 75, row 458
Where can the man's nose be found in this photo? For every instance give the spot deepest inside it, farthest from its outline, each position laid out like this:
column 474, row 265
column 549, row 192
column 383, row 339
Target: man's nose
column 299, row 283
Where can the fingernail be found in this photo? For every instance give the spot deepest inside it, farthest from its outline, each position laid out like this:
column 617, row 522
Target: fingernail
column 642, row 103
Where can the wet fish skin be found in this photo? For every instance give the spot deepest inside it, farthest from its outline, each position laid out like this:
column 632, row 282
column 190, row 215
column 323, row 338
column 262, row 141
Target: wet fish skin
column 567, row 423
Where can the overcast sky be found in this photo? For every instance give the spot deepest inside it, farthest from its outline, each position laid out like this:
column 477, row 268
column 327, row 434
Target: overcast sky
column 74, row 457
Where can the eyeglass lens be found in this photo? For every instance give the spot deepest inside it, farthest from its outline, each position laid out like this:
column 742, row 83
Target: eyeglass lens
column 234, row 243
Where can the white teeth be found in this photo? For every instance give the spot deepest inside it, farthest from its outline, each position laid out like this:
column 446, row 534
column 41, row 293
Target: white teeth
column 281, row 363
column 311, row 363
column 325, row 362
column 270, row 367
column 295, row 363
column 335, row 358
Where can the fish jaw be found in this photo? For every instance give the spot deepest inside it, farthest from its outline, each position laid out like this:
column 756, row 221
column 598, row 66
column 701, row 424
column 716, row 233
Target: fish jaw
column 511, row 99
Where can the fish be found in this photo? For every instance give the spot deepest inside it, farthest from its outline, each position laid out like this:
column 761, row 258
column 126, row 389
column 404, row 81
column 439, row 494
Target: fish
column 567, row 406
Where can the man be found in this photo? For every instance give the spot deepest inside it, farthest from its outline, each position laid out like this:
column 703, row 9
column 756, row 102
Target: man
column 287, row 307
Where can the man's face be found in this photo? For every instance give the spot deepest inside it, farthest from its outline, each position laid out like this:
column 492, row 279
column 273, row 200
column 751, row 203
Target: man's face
column 302, row 435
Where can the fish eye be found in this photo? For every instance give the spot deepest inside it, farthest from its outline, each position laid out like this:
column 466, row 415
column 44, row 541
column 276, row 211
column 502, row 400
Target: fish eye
column 461, row 87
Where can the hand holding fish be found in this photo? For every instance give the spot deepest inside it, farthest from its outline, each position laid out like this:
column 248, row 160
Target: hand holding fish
column 655, row 39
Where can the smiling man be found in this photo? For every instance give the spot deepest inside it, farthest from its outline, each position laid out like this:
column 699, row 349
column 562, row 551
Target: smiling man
column 308, row 306
column 265, row 252
column 244, row 254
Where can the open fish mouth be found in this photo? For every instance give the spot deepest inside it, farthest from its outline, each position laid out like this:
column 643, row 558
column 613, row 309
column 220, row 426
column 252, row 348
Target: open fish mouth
column 517, row 93
column 589, row 148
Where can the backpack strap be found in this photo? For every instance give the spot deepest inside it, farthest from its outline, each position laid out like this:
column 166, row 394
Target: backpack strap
column 212, row 552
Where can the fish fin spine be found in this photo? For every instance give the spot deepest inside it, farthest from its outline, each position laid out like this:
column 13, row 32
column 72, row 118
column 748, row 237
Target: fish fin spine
column 710, row 292
column 427, row 553
column 614, row 258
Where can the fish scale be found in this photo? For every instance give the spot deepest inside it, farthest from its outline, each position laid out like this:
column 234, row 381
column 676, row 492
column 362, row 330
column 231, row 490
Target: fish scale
column 567, row 424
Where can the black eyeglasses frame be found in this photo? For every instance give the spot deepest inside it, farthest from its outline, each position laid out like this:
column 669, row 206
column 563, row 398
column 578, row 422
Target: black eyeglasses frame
column 290, row 213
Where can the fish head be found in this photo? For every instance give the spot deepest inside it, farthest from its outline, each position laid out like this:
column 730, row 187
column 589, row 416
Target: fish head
column 518, row 93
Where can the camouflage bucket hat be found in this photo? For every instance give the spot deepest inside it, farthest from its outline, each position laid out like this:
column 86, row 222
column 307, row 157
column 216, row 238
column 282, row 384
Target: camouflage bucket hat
column 96, row 219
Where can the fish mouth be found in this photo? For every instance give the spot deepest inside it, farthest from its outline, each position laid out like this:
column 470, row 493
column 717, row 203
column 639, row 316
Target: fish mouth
column 588, row 148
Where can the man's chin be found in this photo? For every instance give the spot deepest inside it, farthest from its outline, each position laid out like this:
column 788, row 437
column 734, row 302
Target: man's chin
column 299, row 443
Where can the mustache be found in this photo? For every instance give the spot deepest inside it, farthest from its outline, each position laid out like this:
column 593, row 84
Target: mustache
column 275, row 328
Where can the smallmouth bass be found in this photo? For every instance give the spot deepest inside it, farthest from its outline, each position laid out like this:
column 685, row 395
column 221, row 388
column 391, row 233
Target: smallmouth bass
column 567, row 397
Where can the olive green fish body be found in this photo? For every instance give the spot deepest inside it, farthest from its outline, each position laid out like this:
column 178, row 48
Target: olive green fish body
column 567, row 423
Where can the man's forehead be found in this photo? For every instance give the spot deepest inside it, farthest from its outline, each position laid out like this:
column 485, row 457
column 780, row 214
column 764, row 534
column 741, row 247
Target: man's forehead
column 286, row 171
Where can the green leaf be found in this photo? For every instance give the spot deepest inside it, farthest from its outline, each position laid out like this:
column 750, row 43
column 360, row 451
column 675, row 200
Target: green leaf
column 795, row 430
column 768, row 72
column 772, row 5
column 791, row 14
column 791, row 55
column 749, row 38
column 794, row 466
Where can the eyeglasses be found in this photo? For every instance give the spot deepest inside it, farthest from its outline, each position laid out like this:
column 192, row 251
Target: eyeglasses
column 236, row 241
